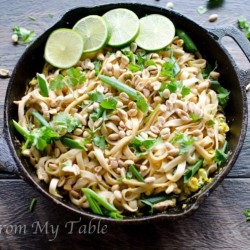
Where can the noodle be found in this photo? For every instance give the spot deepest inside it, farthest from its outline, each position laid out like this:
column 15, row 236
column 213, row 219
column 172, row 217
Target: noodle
column 162, row 144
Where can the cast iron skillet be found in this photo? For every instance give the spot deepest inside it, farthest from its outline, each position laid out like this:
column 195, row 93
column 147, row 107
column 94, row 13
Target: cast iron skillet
column 210, row 46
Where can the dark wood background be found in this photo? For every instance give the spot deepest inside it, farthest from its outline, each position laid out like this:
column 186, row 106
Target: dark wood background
column 218, row 224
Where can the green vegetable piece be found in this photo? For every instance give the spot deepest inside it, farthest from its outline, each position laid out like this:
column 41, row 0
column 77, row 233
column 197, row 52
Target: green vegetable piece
column 43, row 85
column 215, row 3
column 40, row 118
column 93, row 205
column 21, row 130
column 115, row 215
column 247, row 214
column 32, row 18
column 25, row 36
column 99, row 199
column 170, row 68
column 75, row 144
column 132, row 93
column 100, row 141
column 192, row 171
column 194, row 117
column 98, row 66
column 135, row 172
column 100, row 112
column 222, row 93
column 57, row 83
column 151, row 201
column 185, row 91
column 184, row 142
column 63, row 123
column 109, row 103
column 32, row 205
column 188, row 42
column 220, row 154
column 96, row 96
column 75, row 77
column 142, row 146
column 134, row 67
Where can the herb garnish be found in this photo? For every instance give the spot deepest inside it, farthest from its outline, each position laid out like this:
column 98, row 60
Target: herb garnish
column 184, row 142
column 242, row 21
column 190, row 172
column 221, row 155
column 25, row 36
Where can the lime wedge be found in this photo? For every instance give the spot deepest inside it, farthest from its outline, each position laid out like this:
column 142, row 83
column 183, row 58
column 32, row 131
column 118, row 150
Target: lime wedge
column 94, row 31
column 63, row 48
column 124, row 26
column 156, row 32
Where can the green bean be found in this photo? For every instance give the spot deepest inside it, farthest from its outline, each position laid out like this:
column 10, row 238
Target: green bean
column 99, row 199
column 23, row 131
column 93, row 205
column 188, row 42
column 132, row 93
column 71, row 143
column 43, row 85
column 40, row 118
column 135, row 172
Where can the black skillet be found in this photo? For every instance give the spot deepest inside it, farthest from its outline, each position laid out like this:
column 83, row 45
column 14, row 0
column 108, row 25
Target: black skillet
column 210, row 45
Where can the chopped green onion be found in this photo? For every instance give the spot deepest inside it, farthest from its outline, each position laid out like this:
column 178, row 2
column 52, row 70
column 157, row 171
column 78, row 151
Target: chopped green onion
column 192, row 171
column 21, row 130
column 221, row 155
column 32, row 204
column 72, row 143
column 132, row 93
column 99, row 199
column 40, row 118
column 43, row 85
column 135, row 172
column 188, row 42
column 93, row 205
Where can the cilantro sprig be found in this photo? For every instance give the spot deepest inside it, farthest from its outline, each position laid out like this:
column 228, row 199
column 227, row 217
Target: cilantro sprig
column 25, row 36
column 184, row 142
column 73, row 78
column 143, row 146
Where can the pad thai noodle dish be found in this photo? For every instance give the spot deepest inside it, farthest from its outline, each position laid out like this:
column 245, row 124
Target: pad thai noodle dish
column 126, row 130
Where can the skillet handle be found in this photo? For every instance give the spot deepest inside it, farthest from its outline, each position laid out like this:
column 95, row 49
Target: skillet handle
column 7, row 162
column 231, row 31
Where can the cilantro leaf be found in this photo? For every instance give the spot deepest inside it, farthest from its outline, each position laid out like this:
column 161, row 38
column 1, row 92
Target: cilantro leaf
column 185, row 91
column 57, row 83
column 184, row 142
column 223, row 96
column 100, row 112
column 96, row 96
column 170, row 68
column 127, row 52
column 25, row 36
column 63, row 123
column 75, row 77
column 97, row 67
column 134, row 67
column 243, row 24
column 194, row 117
column 100, row 141
column 247, row 214
column 109, row 103
column 41, row 137
column 143, row 146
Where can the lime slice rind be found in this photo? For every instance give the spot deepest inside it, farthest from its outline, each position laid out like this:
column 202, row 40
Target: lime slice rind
column 124, row 25
column 94, row 31
column 156, row 32
column 63, row 48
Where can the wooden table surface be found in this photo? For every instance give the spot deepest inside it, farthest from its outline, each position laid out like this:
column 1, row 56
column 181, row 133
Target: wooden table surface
column 218, row 224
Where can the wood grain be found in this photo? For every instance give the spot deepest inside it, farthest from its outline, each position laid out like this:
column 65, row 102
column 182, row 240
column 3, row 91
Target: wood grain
column 218, row 224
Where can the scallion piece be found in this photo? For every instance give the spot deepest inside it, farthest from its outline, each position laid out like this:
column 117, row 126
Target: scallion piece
column 94, row 205
column 21, row 130
column 99, row 199
column 188, row 42
column 40, row 118
column 221, row 155
column 72, row 143
column 32, row 204
column 192, row 171
column 43, row 85
column 132, row 93
column 135, row 172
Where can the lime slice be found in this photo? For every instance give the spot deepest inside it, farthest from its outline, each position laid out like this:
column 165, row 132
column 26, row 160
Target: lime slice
column 124, row 26
column 156, row 32
column 94, row 31
column 63, row 48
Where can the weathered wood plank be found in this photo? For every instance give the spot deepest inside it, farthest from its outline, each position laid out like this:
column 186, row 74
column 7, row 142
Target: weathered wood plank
column 218, row 224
